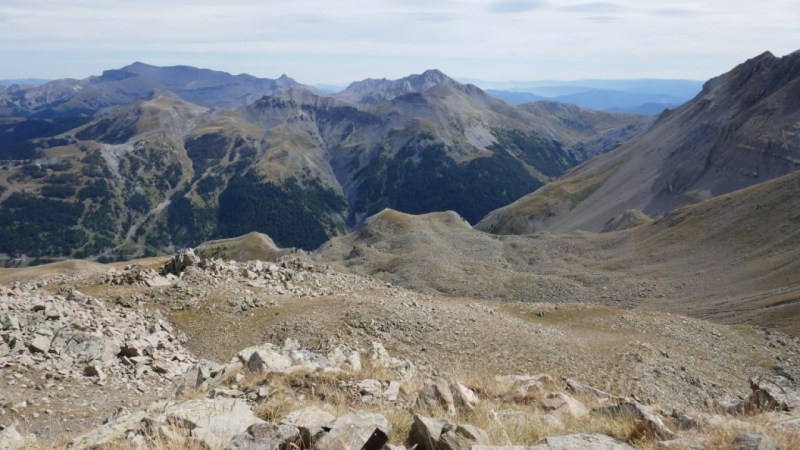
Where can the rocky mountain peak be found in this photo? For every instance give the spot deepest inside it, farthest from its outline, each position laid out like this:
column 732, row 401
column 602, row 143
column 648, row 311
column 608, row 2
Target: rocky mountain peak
column 372, row 91
column 755, row 79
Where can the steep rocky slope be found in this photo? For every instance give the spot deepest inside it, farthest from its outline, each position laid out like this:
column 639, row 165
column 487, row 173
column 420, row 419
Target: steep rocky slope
column 742, row 129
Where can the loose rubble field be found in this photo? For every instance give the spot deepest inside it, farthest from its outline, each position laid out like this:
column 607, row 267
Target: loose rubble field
column 151, row 356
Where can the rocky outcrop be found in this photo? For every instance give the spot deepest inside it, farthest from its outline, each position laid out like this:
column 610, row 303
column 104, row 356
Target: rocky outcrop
column 773, row 393
column 82, row 337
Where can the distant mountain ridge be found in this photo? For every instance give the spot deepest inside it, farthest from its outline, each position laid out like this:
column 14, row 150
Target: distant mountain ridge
column 632, row 96
column 143, row 159
column 741, row 130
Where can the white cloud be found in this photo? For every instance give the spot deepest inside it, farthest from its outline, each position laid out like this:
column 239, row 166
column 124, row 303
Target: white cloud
column 319, row 41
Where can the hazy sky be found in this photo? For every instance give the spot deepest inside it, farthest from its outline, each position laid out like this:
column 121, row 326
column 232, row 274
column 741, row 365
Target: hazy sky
column 324, row 41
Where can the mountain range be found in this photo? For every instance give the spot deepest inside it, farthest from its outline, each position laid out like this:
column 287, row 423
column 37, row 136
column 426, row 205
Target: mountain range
column 143, row 159
column 646, row 96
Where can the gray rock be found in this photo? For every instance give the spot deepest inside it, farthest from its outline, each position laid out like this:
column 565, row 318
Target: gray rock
column 371, row 387
column 10, row 439
column 85, row 347
column 582, row 441
column 215, row 422
column 501, row 447
column 563, row 405
column 552, row 421
column 648, row 422
column 524, row 384
column 791, row 425
column 426, row 431
column 309, row 417
column 267, row 436
column 95, row 370
column 392, row 392
column 461, row 437
column 312, row 423
column 352, row 431
column 265, row 359
column 39, row 344
column 111, row 431
column 464, row 397
column 180, row 262
column 435, row 393
column 680, row 444
column 77, row 296
column 686, row 422
column 9, row 322
column 773, row 393
column 576, row 387
column 754, row 441
column 378, row 356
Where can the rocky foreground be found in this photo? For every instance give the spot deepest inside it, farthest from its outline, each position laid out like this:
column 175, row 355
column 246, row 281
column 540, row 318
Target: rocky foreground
column 150, row 356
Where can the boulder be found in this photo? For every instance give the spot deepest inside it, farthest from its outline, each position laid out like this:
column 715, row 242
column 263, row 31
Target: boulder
column 85, row 347
column 754, row 441
column 180, row 262
column 500, row 447
column 39, row 344
column 113, row 430
column 266, row 359
column 370, row 387
column 464, row 397
column 9, row 323
column 266, row 436
column 392, row 391
column 680, row 444
column 213, row 421
column 563, row 405
column 648, row 422
column 309, row 418
column 353, row 431
column 461, row 437
column 312, row 423
column 582, row 441
column 774, row 393
column 10, row 439
column 522, row 385
column 791, row 425
column 379, row 357
column 426, row 431
column 436, row 393
column 576, row 387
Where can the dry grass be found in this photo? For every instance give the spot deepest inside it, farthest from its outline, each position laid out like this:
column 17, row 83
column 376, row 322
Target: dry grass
column 508, row 417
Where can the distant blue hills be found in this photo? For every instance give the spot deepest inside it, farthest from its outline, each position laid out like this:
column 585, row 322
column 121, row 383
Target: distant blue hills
column 645, row 96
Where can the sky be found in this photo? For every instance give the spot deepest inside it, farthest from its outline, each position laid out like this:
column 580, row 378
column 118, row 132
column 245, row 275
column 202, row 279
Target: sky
column 334, row 42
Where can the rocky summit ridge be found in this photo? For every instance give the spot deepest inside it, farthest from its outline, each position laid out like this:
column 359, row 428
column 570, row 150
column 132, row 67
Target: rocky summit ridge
column 205, row 353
